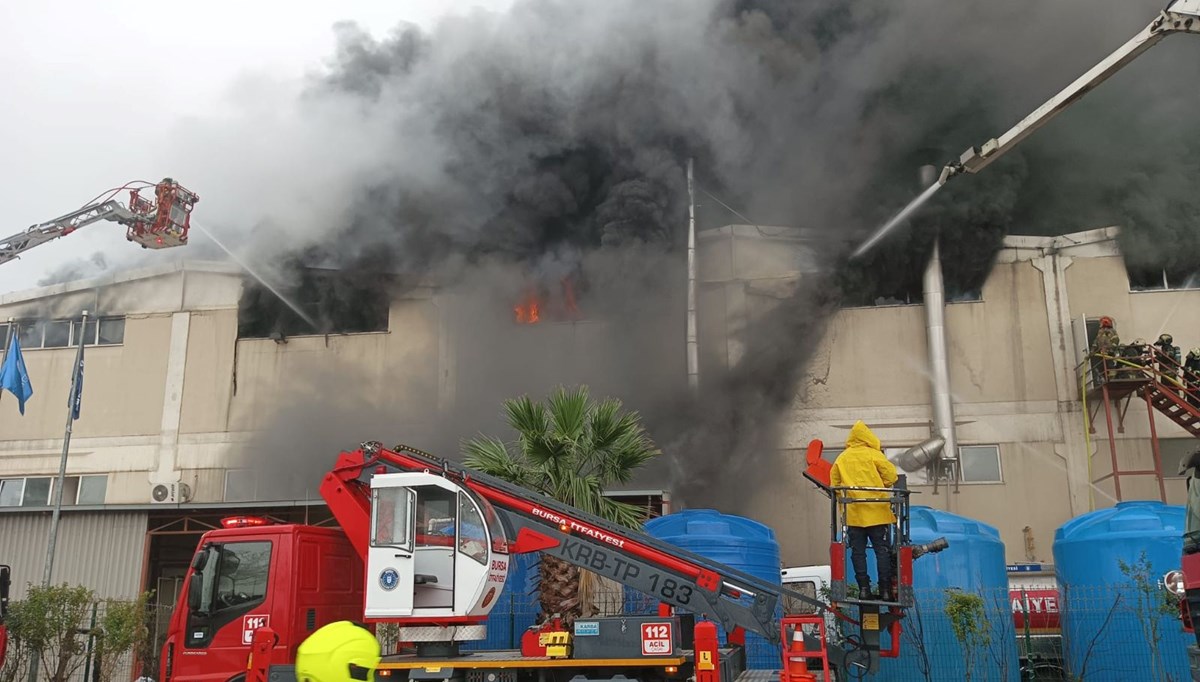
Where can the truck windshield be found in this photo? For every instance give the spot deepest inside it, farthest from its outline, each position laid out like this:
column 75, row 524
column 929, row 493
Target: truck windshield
column 234, row 574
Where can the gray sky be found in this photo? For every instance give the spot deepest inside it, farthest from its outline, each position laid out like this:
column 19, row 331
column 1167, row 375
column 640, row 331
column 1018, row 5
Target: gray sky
column 93, row 93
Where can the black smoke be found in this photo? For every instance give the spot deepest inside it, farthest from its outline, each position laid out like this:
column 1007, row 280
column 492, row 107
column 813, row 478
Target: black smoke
column 554, row 137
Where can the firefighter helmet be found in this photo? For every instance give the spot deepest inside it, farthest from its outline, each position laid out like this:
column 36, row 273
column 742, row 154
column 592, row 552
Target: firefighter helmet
column 338, row 652
column 1106, row 322
column 1166, row 338
column 1194, row 353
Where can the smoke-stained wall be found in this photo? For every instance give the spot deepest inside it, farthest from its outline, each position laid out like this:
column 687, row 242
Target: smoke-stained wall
column 554, row 136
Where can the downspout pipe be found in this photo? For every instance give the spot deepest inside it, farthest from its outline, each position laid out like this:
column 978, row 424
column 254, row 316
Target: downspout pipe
column 693, row 354
column 939, row 365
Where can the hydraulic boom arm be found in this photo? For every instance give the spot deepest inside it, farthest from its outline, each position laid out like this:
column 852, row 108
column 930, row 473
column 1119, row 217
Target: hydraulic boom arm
column 1182, row 16
column 156, row 223
column 636, row 560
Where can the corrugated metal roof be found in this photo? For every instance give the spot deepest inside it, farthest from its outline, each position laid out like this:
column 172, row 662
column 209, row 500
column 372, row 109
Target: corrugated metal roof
column 101, row 551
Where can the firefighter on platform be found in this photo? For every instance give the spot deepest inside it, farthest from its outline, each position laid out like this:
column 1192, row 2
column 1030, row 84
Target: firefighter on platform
column 1191, row 376
column 1136, row 357
column 1106, row 343
column 1168, row 356
column 338, row 652
column 862, row 465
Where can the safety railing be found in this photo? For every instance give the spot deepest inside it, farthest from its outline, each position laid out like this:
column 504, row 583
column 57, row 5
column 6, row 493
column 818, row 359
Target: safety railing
column 1133, row 363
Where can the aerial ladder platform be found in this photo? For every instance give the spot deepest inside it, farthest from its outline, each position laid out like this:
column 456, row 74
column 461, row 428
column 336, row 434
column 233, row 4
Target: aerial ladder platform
column 680, row 580
column 160, row 221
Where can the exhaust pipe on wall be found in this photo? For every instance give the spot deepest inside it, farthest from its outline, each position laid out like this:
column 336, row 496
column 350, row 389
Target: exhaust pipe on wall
column 920, row 455
column 939, row 366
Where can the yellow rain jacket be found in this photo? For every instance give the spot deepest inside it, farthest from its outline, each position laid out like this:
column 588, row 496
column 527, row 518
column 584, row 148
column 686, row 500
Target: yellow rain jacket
column 863, row 465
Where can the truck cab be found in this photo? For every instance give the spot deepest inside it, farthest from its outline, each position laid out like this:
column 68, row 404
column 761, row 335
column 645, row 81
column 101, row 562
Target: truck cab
column 251, row 574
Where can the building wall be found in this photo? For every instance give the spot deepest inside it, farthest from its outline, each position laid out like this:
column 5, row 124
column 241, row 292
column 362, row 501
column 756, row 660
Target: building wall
column 256, row 412
column 1005, row 374
column 148, row 416
column 102, row 551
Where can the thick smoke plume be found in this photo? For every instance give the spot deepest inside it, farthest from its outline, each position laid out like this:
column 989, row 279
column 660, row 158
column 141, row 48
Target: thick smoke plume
column 552, row 139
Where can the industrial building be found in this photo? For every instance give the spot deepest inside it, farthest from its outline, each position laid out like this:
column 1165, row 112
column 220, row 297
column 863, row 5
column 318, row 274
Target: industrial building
column 190, row 412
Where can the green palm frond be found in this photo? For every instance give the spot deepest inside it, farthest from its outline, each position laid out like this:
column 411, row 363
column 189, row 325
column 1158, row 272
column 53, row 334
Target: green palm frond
column 534, row 430
column 526, row 417
column 623, row 513
column 569, row 413
column 491, row 456
column 570, row 448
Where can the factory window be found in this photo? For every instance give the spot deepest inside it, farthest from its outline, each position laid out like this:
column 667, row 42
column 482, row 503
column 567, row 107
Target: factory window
column 1185, row 276
column 39, row 491
column 110, row 331
column 11, row 490
column 91, row 489
column 334, row 303
column 979, row 464
column 653, row 503
column 56, row 334
column 35, row 334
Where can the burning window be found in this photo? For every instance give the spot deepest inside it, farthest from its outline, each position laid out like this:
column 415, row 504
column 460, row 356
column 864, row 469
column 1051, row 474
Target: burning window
column 538, row 303
column 338, row 303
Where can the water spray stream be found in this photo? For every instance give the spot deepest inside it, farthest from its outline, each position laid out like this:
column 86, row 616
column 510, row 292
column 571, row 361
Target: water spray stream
column 246, row 266
column 899, row 218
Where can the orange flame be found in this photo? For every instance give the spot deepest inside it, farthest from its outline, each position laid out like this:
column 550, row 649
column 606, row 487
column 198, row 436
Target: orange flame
column 528, row 311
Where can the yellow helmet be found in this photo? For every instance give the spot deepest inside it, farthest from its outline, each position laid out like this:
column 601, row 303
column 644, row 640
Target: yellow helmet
column 338, row 652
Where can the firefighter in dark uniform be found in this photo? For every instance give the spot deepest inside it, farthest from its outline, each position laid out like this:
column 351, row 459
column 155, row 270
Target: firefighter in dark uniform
column 1106, row 343
column 338, row 652
column 1135, row 357
column 1168, row 359
column 1191, row 376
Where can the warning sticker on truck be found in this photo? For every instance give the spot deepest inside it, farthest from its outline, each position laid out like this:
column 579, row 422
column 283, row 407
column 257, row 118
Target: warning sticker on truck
column 656, row 639
column 250, row 624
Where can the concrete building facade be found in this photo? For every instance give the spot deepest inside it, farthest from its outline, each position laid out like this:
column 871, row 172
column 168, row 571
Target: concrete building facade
column 185, row 418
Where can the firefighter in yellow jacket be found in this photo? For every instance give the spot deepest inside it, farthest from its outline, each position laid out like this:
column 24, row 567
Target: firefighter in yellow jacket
column 862, row 465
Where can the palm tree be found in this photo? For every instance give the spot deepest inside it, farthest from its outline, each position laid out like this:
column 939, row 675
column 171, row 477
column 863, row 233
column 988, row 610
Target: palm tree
column 572, row 449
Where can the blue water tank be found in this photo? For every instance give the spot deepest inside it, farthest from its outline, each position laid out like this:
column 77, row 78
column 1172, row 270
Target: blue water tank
column 1105, row 617
column 973, row 563
column 735, row 541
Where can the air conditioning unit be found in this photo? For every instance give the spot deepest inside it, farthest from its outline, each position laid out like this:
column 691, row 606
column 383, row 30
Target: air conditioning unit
column 170, row 493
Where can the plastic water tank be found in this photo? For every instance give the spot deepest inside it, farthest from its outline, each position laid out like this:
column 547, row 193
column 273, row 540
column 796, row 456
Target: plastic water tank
column 1106, row 612
column 735, row 541
column 973, row 563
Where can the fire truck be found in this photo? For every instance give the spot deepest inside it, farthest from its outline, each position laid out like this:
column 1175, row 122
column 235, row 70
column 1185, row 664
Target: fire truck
column 4, row 583
column 1185, row 583
column 159, row 222
column 426, row 544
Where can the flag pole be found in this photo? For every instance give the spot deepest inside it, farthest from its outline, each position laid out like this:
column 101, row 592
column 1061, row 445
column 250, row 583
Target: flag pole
column 8, row 331
column 62, row 465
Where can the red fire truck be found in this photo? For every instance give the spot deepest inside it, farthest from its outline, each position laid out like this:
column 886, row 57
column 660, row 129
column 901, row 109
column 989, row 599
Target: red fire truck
column 4, row 582
column 426, row 544
column 1185, row 583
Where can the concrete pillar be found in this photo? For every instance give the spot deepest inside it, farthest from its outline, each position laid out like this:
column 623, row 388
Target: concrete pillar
column 1072, row 449
column 166, row 471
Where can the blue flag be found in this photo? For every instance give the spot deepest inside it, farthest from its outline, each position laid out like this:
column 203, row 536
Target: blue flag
column 13, row 376
column 78, row 397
